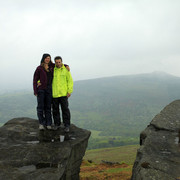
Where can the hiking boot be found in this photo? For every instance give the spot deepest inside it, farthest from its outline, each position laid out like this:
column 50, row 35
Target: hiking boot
column 41, row 127
column 66, row 129
column 49, row 127
column 56, row 127
column 62, row 125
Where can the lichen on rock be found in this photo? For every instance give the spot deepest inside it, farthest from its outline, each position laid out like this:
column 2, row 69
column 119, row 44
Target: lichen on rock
column 159, row 154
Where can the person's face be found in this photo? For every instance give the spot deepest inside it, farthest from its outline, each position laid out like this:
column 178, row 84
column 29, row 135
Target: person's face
column 47, row 60
column 58, row 63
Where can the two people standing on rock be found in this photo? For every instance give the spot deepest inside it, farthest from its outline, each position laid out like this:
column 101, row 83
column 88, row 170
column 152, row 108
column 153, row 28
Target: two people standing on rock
column 52, row 84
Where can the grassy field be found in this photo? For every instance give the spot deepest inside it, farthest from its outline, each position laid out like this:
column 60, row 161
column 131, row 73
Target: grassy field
column 97, row 140
column 126, row 154
column 122, row 158
column 105, row 171
column 95, row 134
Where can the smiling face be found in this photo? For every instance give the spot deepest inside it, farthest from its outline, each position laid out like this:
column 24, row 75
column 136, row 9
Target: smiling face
column 58, row 63
column 47, row 60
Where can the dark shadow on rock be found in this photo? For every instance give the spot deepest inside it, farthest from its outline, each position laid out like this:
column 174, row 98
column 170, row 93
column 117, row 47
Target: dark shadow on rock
column 27, row 153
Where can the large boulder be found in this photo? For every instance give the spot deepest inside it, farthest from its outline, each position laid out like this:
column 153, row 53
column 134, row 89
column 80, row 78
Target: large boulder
column 29, row 154
column 158, row 157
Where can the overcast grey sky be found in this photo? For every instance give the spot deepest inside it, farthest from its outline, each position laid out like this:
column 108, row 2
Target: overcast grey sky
column 97, row 38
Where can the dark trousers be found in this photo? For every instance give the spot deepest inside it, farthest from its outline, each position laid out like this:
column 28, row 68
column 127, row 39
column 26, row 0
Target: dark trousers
column 63, row 101
column 44, row 100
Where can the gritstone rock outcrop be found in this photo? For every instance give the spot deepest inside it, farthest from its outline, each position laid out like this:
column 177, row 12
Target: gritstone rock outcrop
column 29, row 154
column 158, row 157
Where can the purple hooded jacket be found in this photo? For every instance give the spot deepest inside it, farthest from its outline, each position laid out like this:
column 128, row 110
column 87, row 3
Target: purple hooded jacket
column 40, row 74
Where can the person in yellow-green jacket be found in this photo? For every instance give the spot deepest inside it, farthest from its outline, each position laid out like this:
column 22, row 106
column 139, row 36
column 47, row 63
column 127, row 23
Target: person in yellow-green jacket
column 62, row 87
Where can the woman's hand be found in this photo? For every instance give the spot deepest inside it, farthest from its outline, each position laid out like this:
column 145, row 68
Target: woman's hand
column 68, row 68
column 38, row 84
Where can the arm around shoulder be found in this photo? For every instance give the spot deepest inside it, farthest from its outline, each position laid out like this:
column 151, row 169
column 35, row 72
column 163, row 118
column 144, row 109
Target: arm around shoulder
column 67, row 67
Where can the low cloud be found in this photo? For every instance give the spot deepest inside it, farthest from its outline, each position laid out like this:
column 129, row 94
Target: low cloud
column 96, row 38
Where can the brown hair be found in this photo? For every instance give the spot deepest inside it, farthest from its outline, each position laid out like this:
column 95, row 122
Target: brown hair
column 45, row 66
column 57, row 58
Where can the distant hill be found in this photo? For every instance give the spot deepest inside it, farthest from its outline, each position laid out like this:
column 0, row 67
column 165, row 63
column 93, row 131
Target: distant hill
column 116, row 106
column 123, row 102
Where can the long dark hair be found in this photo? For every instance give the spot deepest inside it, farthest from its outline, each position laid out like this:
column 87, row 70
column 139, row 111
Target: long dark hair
column 44, row 56
column 42, row 61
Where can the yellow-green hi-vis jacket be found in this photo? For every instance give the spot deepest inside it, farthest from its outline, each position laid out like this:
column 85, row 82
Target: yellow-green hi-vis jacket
column 62, row 82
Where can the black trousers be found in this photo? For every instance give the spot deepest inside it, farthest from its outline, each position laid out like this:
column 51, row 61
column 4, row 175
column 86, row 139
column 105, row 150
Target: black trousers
column 44, row 100
column 63, row 102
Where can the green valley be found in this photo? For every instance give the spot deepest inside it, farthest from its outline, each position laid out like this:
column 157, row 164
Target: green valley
column 116, row 109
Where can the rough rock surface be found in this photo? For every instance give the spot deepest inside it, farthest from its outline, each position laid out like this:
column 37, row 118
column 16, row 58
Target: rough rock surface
column 158, row 157
column 29, row 154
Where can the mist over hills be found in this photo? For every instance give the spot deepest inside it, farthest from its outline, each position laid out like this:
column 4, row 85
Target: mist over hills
column 116, row 106
column 124, row 102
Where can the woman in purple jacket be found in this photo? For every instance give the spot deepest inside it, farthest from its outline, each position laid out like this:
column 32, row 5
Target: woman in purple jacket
column 44, row 73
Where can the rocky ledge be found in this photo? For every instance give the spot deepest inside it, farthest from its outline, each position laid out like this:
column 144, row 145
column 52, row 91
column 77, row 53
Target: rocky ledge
column 158, row 157
column 27, row 153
